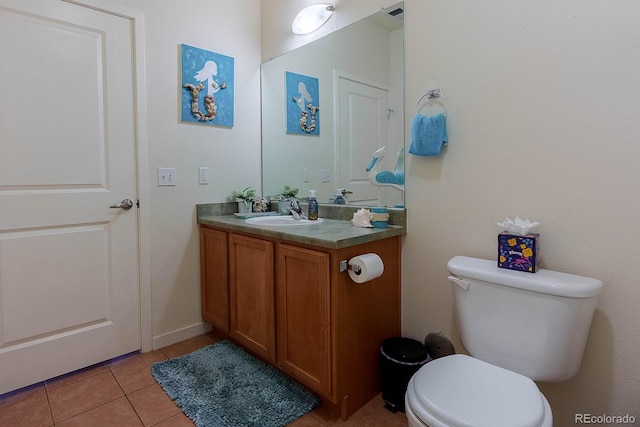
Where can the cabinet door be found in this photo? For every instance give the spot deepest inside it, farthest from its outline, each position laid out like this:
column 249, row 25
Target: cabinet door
column 303, row 311
column 214, row 279
column 252, row 289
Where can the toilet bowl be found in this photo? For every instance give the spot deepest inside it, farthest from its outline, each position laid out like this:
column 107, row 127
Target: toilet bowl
column 517, row 328
column 459, row 390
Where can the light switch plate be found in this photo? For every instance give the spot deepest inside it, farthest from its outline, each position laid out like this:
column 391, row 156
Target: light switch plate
column 166, row 176
column 203, row 175
column 326, row 175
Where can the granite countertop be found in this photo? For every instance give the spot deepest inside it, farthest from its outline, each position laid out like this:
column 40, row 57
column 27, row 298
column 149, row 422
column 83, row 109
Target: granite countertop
column 330, row 233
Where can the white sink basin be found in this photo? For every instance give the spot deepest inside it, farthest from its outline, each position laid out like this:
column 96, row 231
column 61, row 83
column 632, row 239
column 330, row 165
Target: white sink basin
column 281, row 221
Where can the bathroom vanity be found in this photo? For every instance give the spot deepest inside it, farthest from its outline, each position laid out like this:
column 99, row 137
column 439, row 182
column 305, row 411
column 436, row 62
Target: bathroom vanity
column 279, row 292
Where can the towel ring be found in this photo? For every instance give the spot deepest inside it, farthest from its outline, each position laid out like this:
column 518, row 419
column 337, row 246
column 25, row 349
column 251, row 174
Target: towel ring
column 434, row 93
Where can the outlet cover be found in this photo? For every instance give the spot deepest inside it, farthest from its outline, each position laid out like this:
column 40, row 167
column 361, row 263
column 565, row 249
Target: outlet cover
column 326, row 175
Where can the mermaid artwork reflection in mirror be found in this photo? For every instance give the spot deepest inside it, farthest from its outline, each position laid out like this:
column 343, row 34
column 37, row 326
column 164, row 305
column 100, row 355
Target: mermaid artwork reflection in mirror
column 302, row 116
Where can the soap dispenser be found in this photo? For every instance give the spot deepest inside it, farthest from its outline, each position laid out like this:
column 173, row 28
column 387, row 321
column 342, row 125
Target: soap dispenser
column 313, row 205
column 338, row 198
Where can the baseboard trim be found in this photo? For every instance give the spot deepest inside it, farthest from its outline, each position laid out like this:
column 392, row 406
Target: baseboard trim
column 178, row 335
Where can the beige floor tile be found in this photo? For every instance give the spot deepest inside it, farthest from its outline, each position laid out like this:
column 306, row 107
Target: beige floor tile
column 178, row 420
column 372, row 414
column 356, row 419
column 123, row 360
column 78, row 397
column 95, row 397
column 118, row 413
column 75, row 376
column 384, row 418
column 21, row 394
column 188, row 346
column 30, row 412
column 134, row 372
column 307, row 420
column 215, row 336
column 153, row 405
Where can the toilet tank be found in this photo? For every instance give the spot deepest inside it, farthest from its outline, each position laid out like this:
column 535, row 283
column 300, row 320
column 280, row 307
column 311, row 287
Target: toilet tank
column 535, row 324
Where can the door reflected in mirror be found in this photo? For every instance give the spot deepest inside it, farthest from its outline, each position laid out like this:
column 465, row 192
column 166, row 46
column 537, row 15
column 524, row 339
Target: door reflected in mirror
column 359, row 109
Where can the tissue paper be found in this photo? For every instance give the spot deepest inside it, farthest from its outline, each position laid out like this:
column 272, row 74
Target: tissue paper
column 518, row 226
column 518, row 248
column 366, row 267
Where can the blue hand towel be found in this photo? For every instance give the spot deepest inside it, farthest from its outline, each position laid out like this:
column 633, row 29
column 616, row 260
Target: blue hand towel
column 428, row 135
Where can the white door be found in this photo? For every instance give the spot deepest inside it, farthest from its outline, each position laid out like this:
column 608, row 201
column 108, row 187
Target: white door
column 363, row 127
column 69, row 269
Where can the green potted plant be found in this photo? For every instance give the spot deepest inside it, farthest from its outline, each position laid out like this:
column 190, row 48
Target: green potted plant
column 244, row 198
column 289, row 193
column 284, row 205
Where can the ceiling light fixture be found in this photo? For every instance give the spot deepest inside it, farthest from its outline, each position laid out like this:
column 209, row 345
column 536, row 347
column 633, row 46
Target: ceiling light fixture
column 311, row 18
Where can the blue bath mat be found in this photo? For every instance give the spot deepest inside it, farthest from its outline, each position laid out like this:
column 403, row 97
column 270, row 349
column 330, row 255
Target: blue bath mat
column 221, row 385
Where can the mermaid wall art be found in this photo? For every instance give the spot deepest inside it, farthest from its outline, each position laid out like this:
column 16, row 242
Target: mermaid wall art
column 207, row 87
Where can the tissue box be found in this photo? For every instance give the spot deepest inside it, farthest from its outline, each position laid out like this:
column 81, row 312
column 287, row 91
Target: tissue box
column 520, row 253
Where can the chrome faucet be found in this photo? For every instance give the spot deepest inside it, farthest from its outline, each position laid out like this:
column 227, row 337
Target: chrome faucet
column 296, row 210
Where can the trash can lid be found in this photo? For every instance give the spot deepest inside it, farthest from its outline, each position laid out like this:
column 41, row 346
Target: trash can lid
column 404, row 350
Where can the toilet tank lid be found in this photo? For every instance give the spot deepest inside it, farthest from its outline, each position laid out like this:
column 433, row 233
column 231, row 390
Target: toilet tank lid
column 543, row 281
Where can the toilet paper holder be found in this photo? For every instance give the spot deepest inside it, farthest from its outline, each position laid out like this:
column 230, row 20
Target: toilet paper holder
column 344, row 266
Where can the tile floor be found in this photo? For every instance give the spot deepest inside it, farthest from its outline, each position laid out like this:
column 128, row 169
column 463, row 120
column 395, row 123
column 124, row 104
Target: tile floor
column 122, row 393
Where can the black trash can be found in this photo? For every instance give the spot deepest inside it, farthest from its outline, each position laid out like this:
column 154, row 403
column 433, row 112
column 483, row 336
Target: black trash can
column 400, row 358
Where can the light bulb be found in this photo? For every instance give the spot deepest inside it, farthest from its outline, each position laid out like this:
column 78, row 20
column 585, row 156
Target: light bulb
column 311, row 18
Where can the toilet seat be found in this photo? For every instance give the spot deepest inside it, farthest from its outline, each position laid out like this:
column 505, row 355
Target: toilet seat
column 459, row 390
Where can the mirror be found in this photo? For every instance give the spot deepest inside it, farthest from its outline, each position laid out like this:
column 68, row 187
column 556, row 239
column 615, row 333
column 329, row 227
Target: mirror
column 355, row 78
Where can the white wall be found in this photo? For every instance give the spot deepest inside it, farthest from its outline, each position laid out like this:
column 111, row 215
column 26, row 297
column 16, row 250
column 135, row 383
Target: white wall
column 231, row 154
column 543, row 122
column 277, row 15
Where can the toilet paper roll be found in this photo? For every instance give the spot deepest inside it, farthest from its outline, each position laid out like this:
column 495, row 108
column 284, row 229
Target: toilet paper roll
column 365, row 267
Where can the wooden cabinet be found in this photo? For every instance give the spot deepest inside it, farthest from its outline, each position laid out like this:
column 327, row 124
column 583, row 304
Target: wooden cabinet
column 292, row 306
column 214, row 278
column 251, row 294
column 363, row 316
column 303, row 314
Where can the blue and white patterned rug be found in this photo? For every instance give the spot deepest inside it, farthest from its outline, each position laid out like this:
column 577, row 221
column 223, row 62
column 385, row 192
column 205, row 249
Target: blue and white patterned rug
column 221, row 385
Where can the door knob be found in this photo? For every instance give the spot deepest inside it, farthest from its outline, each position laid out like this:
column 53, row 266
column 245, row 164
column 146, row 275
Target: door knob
column 126, row 204
column 345, row 192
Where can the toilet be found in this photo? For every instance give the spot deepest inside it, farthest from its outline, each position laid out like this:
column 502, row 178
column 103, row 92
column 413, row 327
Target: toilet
column 517, row 328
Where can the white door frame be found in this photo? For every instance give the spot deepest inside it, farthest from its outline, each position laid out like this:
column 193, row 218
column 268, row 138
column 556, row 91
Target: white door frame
column 142, row 166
